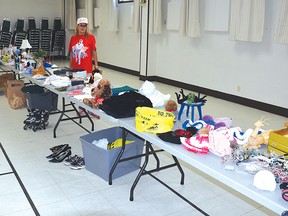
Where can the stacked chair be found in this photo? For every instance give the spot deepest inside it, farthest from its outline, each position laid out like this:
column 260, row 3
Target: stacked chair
column 46, row 36
column 33, row 35
column 19, row 34
column 58, row 41
column 5, row 34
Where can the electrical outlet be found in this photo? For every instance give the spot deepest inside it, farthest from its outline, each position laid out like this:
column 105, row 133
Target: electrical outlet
column 238, row 88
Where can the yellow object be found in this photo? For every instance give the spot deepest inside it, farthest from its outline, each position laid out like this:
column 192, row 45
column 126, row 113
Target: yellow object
column 118, row 143
column 39, row 70
column 152, row 120
column 278, row 141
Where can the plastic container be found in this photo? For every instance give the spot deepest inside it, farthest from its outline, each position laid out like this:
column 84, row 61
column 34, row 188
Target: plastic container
column 100, row 161
column 38, row 97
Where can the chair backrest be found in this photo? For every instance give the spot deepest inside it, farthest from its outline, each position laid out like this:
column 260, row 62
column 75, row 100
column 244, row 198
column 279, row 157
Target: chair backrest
column 44, row 23
column 31, row 23
column 57, row 24
column 19, row 25
column 5, row 25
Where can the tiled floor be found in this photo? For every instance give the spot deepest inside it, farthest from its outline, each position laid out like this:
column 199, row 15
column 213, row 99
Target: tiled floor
column 55, row 189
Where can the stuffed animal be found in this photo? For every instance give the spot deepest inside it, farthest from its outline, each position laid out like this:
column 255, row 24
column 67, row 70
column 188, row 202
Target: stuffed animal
column 101, row 92
column 157, row 98
column 171, row 106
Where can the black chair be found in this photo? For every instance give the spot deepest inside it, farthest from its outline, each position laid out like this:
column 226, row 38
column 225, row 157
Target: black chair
column 33, row 35
column 58, row 37
column 5, row 34
column 19, row 34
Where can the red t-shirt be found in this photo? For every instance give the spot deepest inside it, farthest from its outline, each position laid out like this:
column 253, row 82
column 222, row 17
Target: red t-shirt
column 81, row 49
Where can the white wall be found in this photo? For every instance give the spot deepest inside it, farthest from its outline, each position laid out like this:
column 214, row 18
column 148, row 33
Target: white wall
column 119, row 48
column 211, row 61
column 214, row 62
column 14, row 9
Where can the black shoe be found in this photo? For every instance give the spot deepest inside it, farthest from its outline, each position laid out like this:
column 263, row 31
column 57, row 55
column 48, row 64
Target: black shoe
column 55, row 148
column 60, row 150
column 59, row 158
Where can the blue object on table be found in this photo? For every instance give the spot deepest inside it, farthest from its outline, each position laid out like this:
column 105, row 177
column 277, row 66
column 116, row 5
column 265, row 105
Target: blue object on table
column 47, row 65
column 193, row 106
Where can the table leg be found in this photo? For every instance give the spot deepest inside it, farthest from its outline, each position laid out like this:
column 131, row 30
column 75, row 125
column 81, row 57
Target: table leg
column 124, row 135
column 142, row 170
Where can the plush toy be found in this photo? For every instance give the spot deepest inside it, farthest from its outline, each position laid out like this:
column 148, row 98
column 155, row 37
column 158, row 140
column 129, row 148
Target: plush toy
column 157, row 98
column 100, row 93
column 171, row 106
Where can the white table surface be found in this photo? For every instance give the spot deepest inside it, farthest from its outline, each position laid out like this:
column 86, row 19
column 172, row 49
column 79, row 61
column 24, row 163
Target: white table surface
column 211, row 165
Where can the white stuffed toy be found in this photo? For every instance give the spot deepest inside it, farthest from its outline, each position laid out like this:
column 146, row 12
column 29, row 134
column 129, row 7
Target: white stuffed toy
column 157, row 98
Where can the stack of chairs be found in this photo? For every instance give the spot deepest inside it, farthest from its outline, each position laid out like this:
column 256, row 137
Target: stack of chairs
column 58, row 41
column 19, row 34
column 5, row 33
column 46, row 36
column 33, row 35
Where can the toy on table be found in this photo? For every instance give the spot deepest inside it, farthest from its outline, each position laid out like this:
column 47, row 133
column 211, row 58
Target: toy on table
column 100, row 93
column 190, row 100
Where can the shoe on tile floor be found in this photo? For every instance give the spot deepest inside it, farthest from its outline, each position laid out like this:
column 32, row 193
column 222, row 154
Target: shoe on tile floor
column 78, row 164
column 72, row 159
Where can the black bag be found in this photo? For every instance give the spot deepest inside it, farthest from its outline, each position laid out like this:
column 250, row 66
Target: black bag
column 122, row 106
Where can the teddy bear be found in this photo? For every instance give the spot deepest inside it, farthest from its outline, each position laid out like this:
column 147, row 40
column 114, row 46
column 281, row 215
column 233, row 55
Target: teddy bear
column 157, row 98
column 99, row 93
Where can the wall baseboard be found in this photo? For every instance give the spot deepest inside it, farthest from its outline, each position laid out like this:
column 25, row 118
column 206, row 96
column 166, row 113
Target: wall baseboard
column 228, row 97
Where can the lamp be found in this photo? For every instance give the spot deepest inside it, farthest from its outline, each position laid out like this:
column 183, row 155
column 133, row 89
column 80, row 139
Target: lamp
column 25, row 45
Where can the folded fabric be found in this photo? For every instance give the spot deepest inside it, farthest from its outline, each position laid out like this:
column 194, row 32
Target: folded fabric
column 121, row 90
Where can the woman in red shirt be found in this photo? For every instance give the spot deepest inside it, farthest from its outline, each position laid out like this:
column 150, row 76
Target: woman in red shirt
column 82, row 47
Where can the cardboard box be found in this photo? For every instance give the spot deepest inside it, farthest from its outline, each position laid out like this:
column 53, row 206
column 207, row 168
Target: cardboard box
column 100, row 161
column 278, row 141
column 16, row 98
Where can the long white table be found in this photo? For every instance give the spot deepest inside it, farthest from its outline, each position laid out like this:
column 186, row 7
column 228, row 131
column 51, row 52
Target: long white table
column 209, row 164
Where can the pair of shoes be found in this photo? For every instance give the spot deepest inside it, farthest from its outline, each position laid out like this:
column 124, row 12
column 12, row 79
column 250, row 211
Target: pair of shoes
column 79, row 164
column 55, row 148
column 76, row 162
column 70, row 160
column 59, row 153
column 59, row 158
